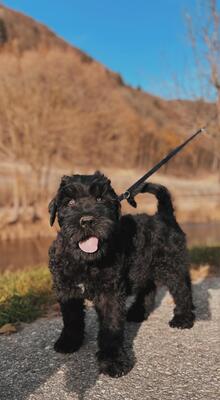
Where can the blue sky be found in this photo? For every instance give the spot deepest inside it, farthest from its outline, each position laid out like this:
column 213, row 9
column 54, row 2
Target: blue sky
column 144, row 40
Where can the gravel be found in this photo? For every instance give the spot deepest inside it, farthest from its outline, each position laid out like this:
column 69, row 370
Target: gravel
column 170, row 364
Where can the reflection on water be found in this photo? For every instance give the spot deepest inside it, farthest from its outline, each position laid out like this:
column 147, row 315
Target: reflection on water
column 19, row 254
column 203, row 233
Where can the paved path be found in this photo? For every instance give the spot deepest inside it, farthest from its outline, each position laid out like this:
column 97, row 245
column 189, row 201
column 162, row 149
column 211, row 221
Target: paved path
column 171, row 364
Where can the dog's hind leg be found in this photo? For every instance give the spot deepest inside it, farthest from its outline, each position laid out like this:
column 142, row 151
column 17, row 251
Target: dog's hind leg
column 143, row 304
column 72, row 335
column 180, row 289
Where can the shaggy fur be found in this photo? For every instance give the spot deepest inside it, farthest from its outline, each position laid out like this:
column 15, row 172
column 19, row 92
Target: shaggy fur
column 134, row 253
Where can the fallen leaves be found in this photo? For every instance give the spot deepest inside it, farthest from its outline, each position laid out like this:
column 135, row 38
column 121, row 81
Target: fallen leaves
column 8, row 329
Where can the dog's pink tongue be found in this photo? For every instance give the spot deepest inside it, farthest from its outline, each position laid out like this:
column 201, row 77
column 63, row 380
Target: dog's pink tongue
column 90, row 245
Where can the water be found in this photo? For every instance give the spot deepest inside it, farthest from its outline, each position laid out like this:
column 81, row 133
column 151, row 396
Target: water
column 203, row 233
column 19, row 254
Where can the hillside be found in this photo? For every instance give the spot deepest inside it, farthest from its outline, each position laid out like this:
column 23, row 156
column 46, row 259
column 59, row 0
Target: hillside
column 101, row 120
column 60, row 110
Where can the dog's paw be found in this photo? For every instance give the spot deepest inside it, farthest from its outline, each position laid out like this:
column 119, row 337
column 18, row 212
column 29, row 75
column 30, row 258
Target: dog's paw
column 136, row 314
column 114, row 366
column 67, row 344
column 182, row 321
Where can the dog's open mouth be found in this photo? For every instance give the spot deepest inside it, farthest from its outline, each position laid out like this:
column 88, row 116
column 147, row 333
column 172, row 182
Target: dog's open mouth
column 89, row 245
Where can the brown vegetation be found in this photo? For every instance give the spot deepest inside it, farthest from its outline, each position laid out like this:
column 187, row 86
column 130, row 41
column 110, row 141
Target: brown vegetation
column 60, row 109
column 204, row 35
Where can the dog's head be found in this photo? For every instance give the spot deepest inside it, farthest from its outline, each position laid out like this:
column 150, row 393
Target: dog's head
column 88, row 212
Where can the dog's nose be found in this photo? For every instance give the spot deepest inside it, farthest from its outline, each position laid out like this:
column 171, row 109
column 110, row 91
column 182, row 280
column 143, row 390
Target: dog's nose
column 86, row 220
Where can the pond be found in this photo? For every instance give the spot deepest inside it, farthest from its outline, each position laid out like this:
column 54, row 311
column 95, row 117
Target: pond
column 18, row 254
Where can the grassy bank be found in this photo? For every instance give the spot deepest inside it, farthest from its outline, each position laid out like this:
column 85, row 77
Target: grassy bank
column 26, row 295
column 201, row 255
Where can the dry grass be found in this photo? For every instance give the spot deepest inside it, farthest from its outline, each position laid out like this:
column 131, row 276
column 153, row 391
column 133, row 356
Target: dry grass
column 68, row 110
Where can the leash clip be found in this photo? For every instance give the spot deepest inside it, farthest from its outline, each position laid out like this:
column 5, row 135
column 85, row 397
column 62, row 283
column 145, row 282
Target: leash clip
column 130, row 198
column 127, row 195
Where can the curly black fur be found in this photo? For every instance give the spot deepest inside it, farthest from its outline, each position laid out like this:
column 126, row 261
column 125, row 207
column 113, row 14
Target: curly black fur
column 134, row 253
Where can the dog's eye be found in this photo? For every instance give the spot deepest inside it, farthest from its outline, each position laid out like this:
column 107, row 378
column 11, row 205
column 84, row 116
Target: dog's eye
column 72, row 203
column 98, row 199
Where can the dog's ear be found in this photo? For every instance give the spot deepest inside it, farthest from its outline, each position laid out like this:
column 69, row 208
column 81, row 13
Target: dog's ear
column 104, row 181
column 100, row 184
column 52, row 208
column 98, row 173
column 64, row 180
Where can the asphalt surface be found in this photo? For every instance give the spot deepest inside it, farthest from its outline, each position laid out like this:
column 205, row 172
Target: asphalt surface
column 170, row 364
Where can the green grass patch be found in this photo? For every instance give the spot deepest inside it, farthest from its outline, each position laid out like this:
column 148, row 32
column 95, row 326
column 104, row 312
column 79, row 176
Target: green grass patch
column 25, row 295
column 202, row 255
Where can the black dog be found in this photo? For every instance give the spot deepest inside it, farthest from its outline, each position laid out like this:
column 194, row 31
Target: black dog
column 103, row 256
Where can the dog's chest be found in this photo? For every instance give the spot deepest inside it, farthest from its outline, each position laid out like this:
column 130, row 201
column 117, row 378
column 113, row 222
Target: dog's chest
column 87, row 291
column 85, row 285
column 81, row 287
column 93, row 284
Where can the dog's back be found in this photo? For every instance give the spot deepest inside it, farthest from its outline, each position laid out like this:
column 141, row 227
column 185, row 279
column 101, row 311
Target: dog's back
column 162, row 224
column 153, row 243
column 165, row 207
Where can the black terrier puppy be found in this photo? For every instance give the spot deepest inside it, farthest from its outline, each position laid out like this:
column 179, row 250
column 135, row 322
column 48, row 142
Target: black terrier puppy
column 102, row 256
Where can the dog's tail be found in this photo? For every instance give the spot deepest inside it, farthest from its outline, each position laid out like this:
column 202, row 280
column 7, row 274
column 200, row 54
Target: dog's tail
column 165, row 206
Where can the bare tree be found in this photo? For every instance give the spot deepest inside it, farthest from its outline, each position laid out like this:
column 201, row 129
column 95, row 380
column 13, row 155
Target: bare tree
column 32, row 122
column 204, row 34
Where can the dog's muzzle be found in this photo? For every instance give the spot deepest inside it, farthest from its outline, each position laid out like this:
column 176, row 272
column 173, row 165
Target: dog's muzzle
column 86, row 220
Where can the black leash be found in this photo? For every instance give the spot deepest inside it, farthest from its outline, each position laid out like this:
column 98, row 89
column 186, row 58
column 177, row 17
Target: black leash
column 134, row 189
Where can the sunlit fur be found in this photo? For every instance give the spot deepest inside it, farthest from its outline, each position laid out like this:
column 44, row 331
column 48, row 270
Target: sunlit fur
column 134, row 254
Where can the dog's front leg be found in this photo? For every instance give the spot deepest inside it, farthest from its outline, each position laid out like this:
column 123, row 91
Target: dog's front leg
column 111, row 356
column 72, row 335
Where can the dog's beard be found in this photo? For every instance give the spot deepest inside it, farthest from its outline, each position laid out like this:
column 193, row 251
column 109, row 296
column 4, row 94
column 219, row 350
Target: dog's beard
column 90, row 243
